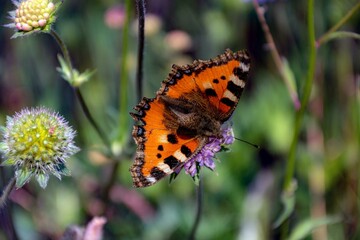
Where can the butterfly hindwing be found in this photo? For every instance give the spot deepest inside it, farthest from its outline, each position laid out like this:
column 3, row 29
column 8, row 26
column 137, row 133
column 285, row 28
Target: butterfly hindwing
column 160, row 150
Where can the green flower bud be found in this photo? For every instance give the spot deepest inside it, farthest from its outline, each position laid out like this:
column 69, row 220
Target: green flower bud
column 37, row 143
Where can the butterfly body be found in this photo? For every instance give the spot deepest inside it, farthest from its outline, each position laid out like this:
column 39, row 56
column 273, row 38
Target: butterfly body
column 190, row 108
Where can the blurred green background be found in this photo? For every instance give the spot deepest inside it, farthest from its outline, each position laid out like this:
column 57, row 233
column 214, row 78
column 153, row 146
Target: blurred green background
column 242, row 198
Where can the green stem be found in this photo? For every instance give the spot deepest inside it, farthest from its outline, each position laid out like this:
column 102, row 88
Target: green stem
column 199, row 207
column 63, row 48
column 139, row 75
column 357, row 127
column 357, row 107
column 325, row 37
column 123, row 98
column 83, row 104
column 91, row 119
column 9, row 187
column 123, row 111
column 305, row 98
column 6, row 218
column 290, row 167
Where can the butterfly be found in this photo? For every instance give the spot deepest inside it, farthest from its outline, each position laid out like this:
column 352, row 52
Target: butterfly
column 188, row 110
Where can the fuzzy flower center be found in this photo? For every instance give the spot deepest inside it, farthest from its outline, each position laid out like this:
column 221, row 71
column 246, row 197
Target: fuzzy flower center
column 36, row 138
column 37, row 143
column 33, row 14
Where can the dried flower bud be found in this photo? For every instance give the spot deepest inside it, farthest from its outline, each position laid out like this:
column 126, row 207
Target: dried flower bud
column 37, row 142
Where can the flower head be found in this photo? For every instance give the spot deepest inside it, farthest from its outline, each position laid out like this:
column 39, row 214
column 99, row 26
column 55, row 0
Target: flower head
column 32, row 16
column 37, row 142
column 205, row 157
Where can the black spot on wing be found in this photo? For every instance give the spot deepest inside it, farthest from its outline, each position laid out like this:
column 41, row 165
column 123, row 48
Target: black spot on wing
column 210, row 92
column 227, row 102
column 187, row 72
column 172, row 81
column 178, row 75
column 246, row 61
column 240, row 73
column 140, row 131
column 157, row 173
column 160, row 148
column 171, row 161
column 172, row 138
column 216, row 81
column 186, row 151
column 158, row 155
column 234, row 89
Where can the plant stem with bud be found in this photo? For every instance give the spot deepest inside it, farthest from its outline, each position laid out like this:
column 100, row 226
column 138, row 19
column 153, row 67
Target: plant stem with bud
column 81, row 99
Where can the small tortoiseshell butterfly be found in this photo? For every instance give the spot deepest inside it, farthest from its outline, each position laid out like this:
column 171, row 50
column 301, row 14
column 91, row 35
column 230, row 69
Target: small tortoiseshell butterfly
column 189, row 109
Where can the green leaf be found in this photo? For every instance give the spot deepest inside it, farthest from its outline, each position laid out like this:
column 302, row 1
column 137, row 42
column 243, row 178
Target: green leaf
column 72, row 75
column 22, row 176
column 64, row 69
column 288, row 201
column 23, row 34
column 42, row 179
column 56, row 174
column 307, row 226
column 173, row 177
column 2, row 147
column 62, row 169
column 290, row 76
column 2, row 129
column 341, row 34
column 83, row 77
column 7, row 162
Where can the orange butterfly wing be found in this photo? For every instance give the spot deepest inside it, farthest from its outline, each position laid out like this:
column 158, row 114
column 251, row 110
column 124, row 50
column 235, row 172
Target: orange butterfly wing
column 221, row 79
column 160, row 150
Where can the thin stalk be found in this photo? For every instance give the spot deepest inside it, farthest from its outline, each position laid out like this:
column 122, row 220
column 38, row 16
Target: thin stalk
column 63, row 48
column 325, row 37
column 8, row 188
column 105, row 197
column 139, row 75
column 290, row 167
column 305, row 98
column 123, row 111
column 91, row 119
column 275, row 54
column 7, row 224
column 123, row 98
column 357, row 107
column 83, row 104
column 6, row 219
column 357, row 127
column 199, row 209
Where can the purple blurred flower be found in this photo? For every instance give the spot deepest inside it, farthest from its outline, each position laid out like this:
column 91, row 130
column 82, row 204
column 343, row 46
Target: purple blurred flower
column 205, row 156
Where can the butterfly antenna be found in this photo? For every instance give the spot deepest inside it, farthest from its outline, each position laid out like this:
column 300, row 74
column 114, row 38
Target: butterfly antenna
column 251, row 144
